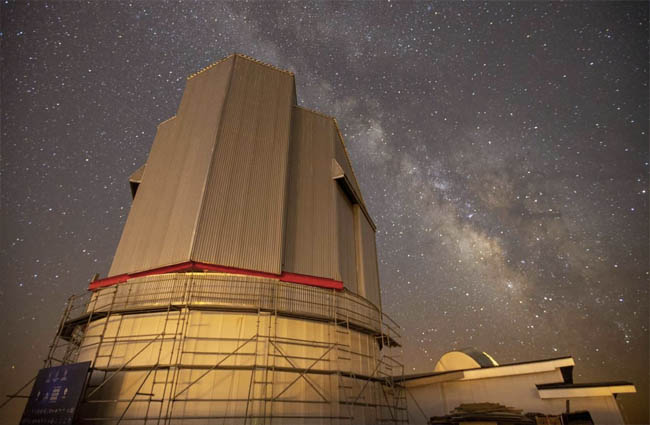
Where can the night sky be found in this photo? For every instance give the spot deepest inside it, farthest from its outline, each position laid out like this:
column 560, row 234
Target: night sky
column 502, row 149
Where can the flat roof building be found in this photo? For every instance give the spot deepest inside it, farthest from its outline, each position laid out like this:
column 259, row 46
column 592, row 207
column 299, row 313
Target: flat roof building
column 471, row 384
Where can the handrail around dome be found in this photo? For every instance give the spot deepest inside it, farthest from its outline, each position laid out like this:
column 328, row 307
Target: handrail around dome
column 217, row 291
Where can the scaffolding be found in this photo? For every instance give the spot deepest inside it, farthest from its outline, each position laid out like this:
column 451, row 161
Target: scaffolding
column 301, row 354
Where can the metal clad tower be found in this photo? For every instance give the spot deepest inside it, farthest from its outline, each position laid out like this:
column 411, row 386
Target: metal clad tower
column 245, row 287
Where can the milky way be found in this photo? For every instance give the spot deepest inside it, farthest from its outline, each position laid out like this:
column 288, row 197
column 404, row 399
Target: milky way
column 502, row 150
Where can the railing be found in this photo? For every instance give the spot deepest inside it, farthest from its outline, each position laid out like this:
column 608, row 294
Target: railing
column 206, row 290
column 187, row 291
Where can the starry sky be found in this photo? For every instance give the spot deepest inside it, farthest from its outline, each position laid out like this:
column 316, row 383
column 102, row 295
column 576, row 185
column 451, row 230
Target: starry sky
column 502, row 149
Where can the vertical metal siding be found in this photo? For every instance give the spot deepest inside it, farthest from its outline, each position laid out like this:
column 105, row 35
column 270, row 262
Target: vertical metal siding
column 326, row 233
column 365, row 248
column 342, row 158
column 346, row 243
column 310, row 243
column 159, row 228
column 221, row 178
column 241, row 219
column 141, row 238
column 358, row 244
column 369, row 262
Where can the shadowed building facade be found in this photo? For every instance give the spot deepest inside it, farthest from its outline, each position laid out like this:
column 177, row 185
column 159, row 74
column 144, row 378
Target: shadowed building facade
column 245, row 287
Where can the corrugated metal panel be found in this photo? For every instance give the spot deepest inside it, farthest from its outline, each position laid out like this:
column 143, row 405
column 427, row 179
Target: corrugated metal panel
column 358, row 245
column 342, row 152
column 160, row 226
column 369, row 264
column 242, row 217
column 143, row 221
column 343, row 159
column 323, row 233
column 310, row 242
column 346, row 241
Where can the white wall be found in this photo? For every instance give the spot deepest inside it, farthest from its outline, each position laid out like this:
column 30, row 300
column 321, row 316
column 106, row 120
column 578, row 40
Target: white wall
column 518, row 391
column 208, row 336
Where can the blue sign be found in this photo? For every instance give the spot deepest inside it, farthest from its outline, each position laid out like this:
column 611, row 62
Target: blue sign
column 56, row 395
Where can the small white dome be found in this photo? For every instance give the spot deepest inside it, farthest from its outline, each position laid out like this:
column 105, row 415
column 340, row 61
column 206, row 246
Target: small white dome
column 466, row 358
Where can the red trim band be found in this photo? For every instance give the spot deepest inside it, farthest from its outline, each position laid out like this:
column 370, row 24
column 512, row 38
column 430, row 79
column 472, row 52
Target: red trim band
column 303, row 279
column 190, row 266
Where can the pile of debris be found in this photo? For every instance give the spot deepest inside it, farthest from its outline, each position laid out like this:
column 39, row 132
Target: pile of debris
column 486, row 413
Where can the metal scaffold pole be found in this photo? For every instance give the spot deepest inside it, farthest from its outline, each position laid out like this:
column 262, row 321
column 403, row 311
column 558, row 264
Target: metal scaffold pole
column 277, row 365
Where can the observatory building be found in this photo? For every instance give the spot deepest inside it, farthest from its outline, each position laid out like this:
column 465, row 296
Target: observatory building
column 245, row 288
column 468, row 386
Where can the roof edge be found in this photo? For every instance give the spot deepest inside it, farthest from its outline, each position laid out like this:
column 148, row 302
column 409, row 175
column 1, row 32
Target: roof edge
column 243, row 56
column 482, row 371
column 313, row 111
column 166, row 121
column 347, row 156
column 362, row 202
column 567, row 391
column 583, row 385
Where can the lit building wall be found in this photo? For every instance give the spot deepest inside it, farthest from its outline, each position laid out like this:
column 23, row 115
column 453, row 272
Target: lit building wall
column 241, row 177
column 517, row 386
column 244, row 288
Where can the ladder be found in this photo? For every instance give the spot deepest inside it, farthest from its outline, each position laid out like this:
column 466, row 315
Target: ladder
column 269, row 369
column 394, row 395
column 342, row 409
column 157, row 370
column 399, row 391
column 259, row 406
column 72, row 349
column 161, row 372
column 91, row 388
column 54, row 345
column 115, row 339
column 170, row 384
